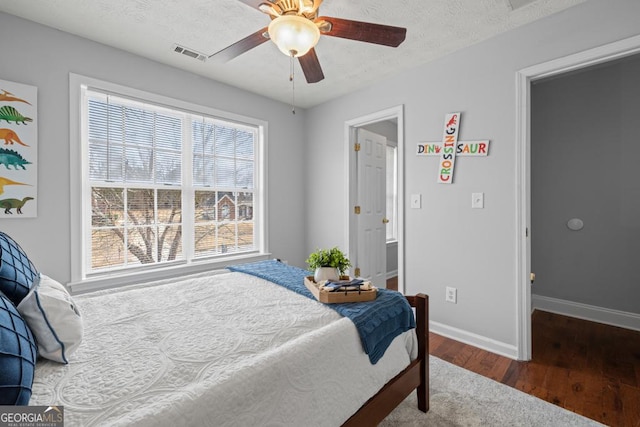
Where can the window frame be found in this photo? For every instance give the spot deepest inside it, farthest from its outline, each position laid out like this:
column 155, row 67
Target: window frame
column 80, row 191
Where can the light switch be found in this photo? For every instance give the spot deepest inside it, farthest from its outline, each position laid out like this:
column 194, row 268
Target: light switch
column 416, row 201
column 477, row 200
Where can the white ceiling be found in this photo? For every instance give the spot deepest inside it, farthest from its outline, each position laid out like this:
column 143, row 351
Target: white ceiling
column 150, row 28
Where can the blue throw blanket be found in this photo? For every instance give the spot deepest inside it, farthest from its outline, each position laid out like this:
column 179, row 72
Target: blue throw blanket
column 378, row 322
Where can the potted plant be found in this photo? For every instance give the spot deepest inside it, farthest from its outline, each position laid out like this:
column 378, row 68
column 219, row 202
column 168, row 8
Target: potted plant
column 328, row 264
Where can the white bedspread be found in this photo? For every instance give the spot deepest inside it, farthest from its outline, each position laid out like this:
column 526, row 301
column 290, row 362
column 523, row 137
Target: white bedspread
column 226, row 349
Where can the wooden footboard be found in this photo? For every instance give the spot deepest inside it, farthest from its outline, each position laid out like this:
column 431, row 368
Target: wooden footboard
column 415, row 376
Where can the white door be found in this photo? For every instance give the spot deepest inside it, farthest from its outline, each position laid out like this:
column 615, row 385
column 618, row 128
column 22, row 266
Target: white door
column 371, row 258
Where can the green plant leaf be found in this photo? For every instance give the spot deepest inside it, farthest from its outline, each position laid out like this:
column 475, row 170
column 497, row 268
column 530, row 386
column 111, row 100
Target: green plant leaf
column 333, row 257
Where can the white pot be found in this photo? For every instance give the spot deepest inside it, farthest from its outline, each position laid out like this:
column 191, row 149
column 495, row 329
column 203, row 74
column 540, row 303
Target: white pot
column 326, row 273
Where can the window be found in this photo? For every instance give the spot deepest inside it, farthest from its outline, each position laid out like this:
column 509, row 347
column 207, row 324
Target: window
column 165, row 185
column 392, row 192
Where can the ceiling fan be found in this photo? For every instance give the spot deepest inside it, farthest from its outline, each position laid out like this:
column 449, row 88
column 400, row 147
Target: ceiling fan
column 296, row 28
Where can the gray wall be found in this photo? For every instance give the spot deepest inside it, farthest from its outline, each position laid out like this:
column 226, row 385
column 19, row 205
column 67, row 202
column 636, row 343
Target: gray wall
column 40, row 56
column 447, row 242
column 386, row 128
column 392, row 258
column 585, row 146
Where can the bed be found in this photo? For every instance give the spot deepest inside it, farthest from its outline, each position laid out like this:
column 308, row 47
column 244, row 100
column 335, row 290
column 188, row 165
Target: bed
column 150, row 356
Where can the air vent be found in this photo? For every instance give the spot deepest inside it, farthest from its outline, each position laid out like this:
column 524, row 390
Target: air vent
column 189, row 52
column 517, row 4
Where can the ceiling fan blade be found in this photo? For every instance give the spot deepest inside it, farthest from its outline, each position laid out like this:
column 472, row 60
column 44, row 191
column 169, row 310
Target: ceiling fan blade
column 311, row 67
column 363, row 31
column 240, row 47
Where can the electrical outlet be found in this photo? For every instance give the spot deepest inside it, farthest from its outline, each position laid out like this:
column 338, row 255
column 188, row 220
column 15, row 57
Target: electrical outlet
column 451, row 295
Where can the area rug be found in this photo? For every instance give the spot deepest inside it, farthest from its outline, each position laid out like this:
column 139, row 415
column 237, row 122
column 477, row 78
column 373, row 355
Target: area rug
column 463, row 398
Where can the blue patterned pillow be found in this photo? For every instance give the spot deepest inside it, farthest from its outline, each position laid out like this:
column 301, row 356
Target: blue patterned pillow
column 17, row 273
column 17, row 356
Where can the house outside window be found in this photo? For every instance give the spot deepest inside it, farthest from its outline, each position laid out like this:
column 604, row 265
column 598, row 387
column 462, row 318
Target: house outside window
column 164, row 184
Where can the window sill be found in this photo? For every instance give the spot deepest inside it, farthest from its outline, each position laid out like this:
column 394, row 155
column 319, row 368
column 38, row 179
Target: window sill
column 111, row 280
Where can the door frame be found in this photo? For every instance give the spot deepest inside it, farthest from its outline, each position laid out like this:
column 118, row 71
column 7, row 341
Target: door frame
column 350, row 134
column 524, row 79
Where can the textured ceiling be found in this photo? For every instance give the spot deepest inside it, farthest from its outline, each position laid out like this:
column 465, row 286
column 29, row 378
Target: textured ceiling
column 150, row 28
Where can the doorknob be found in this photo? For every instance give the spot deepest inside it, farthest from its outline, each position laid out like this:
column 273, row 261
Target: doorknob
column 533, row 277
column 385, row 221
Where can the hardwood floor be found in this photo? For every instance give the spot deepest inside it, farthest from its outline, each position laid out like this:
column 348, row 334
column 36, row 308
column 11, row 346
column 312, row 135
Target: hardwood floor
column 588, row 368
column 585, row 367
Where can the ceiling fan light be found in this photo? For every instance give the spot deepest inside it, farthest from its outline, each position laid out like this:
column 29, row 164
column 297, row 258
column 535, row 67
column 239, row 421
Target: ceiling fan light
column 293, row 34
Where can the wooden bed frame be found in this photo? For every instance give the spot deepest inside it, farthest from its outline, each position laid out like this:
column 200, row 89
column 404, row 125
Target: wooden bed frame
column 415, row 376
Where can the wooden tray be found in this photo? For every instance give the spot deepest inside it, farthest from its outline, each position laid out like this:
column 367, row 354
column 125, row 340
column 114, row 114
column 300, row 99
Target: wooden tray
column 338, row 296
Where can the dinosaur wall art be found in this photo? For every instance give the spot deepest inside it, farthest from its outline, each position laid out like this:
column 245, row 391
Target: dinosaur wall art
column 10, row 137
column 6, row 181
column 8, row 96
column 19, row 130
column 10, row 114
column 8, row 204
column 12, row 158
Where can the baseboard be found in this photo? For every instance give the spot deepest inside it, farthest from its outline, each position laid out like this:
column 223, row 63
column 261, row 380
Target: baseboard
column 592, row 313
column 488, row 344
column 391, row 274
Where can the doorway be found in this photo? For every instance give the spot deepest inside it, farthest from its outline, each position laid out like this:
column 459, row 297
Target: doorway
column 525, row 79
column 390, row 123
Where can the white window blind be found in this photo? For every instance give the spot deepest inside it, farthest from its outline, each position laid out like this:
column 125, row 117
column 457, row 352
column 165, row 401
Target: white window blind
column 166, row 185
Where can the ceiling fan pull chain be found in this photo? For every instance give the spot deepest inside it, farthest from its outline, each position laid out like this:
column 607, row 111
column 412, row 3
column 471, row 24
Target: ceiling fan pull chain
column 293, row 83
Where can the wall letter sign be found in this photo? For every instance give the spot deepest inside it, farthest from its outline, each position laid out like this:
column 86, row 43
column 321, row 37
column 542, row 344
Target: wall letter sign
column 446, row 151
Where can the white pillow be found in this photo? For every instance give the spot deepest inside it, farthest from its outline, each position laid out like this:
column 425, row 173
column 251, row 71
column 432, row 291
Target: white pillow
column 53, row 318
